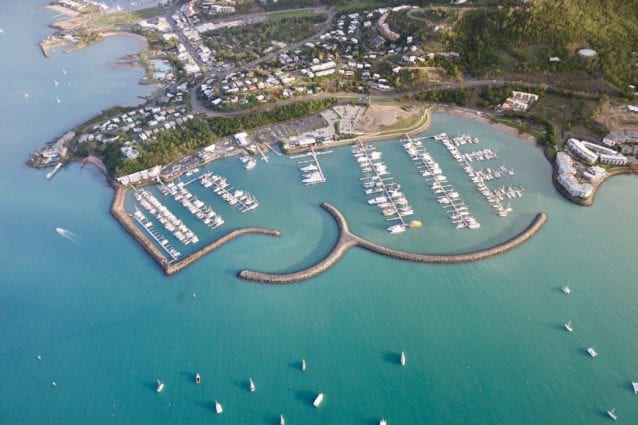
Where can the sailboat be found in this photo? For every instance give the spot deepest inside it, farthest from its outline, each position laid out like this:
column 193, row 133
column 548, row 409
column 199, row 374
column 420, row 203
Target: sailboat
column 612, row 413
column 218, row 408
column 303, row 364
column 57, row 100
column 198, row 378
column 160, row 386
column 251, row 384
column 568, row 326
column 402, row 358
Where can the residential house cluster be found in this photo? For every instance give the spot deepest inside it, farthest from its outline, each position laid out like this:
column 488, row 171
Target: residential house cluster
column 591, row 153
column 52, row 153
column 567, row 177
column 519, row 101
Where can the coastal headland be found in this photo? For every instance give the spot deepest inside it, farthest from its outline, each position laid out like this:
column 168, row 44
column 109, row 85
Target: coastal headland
column 118, row 211
column 348, row 240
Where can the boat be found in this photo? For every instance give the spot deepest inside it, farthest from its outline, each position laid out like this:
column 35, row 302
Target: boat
column 568, row 326
column 160, row 386
column 198, row 379
column 414, row 224
column 635, row 385
column 282, row 421
column 592, row 352
column 251, row 384
column 397, row 228
column 303, row 364
column 402, row 358
column 250, row 164
column 218, row 407
column 612, row 414
column 318, row 400
column 566, row 290
column 383, row 422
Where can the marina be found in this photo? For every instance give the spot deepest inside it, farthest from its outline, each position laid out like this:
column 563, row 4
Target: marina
column 163, row 243
column 310, row 170
column 170, row 222
column 389, row 199
column 446, row 195
column 238, row 198
column 494, row 198
column 189, row 201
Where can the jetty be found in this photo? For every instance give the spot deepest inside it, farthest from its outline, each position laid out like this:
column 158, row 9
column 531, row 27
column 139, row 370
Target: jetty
column 348, row 240
column 119, row 212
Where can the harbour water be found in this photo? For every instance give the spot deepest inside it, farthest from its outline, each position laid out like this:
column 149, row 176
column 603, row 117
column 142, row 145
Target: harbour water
column 484, row 342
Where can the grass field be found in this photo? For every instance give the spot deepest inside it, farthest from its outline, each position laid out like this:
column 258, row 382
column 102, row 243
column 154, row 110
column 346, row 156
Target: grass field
column 278, row 16
column 124, row 18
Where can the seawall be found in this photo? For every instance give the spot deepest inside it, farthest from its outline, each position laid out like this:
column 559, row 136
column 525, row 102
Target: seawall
column 347, row 240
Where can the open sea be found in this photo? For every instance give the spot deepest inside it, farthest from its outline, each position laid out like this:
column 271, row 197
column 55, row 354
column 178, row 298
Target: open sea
column 484, row 341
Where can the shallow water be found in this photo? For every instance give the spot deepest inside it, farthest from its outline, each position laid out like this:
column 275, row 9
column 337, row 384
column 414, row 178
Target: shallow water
column 484, row 341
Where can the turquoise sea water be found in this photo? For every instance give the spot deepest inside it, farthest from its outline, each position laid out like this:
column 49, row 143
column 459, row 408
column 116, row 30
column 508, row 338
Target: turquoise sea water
column 484, row 341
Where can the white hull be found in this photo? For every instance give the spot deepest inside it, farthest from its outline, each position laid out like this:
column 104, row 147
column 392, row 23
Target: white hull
column 318, row 400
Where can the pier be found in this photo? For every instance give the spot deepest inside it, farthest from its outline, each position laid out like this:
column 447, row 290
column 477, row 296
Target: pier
column 347, row 240
column 118, row 211
column 312, row 173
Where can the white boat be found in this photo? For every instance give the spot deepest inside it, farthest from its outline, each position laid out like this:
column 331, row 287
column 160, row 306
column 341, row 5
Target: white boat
column 397, row 228
column 383, row 422
column 592, row 352
column 282, row 421
column 250, row 164
column 635, row 385
column 251, row 384
column 612, row 414
column 198, row 379
column 160, row 386
column 218, row 407
column 318, row 400
column 402, row 358
column 303, row 364
column 566, row 289
column 568, row 326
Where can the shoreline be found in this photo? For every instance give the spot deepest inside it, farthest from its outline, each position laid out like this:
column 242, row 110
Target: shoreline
column 62, row 10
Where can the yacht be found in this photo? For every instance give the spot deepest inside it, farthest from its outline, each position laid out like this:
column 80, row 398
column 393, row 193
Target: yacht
column 612, row 414
column 566, row 289
column 218, row 407
column 568, row 326
column 402, row 358
column 198, row 378
column 635, row 385
column 250, row 164
column 303, row 364
column 397, row 228
column 592, row 352
column 282, row 421
column 251, row 384
column 160, row 386
column 318, row 400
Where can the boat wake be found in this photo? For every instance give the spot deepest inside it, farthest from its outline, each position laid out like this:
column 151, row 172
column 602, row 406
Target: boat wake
column 73, row 237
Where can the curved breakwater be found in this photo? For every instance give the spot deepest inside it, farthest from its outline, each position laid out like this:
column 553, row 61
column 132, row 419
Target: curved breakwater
column 347, row 240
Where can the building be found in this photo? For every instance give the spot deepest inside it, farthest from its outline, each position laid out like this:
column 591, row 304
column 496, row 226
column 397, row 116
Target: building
column 618, row 137
column 565, row 164
column 591, row 153
column 576, row 147
column 519, row 101
column 574, row 188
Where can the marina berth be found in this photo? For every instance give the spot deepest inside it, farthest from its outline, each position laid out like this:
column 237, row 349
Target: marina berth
column 310, row 170
column 165, row 217
column 191, row 203
column 240, row 199
column 446, row 195
column 392, row 203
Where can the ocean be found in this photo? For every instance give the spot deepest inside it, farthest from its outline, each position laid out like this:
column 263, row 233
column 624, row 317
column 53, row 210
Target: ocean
column 484, row 341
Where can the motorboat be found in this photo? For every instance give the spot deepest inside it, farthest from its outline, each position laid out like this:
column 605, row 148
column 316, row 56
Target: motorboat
column 303, row 364
column 592, row 352
column 566, row 290
column 402, row 359
column 251, row 385
column 634, row 384
column 160, row 386
column 612, row 414
column 282, row 421
column 198, row 378
column 318, row 400
column 397, row 228
column 218, row 408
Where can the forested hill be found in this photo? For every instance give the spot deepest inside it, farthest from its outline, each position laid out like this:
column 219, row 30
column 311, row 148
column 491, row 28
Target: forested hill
column 528, row 33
